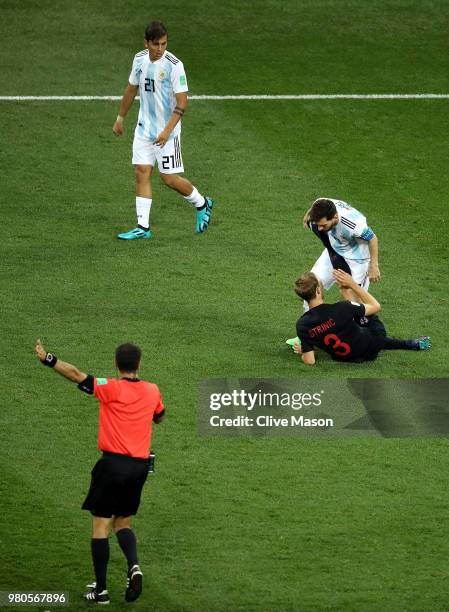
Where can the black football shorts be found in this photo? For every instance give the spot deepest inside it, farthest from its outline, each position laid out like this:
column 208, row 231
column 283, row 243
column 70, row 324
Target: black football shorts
column 116, row 485
column 377, row 331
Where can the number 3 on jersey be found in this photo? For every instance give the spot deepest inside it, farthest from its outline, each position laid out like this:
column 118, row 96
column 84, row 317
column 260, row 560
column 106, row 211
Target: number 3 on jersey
column 340, row 348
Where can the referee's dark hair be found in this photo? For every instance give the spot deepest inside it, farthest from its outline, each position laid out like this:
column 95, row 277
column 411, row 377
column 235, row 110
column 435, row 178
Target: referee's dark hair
column 127, row 357
column 155, row 31
column 322, row 208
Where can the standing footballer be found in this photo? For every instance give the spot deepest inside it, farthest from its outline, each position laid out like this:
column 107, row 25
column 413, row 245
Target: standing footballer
column 160, row 79
column 128, row 408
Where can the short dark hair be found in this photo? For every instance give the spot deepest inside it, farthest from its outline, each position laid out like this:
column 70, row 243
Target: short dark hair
column 322, row 208
column 155, row 31
column 306, row 286
column 127, row 357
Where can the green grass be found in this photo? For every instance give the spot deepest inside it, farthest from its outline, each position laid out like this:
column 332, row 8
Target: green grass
column 241, row 524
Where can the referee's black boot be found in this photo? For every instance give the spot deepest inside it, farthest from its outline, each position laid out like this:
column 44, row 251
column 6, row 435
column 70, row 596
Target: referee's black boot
column 133, row 583
column 100, row 598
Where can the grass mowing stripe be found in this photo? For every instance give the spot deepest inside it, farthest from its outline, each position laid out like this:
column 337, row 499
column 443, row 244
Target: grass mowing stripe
column 391, row 96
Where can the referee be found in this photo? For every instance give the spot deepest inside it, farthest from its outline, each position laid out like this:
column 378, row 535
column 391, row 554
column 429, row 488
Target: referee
column 128, row 407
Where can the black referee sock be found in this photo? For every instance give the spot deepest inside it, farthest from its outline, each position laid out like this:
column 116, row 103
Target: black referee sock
column 128, row 544
column 100, row 557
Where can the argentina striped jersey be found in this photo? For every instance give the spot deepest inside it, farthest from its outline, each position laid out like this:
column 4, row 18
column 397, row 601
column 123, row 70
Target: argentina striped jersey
column 351, row 235
column 158, row 83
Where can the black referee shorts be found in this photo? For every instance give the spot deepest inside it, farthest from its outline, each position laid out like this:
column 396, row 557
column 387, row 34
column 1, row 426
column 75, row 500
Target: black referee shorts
column 116, row 485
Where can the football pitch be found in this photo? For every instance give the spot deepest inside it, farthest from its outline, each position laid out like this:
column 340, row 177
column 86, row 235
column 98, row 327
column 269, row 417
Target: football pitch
column 251, row 524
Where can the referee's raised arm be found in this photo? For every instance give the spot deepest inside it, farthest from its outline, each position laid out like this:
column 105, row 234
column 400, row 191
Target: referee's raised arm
column 67, row 370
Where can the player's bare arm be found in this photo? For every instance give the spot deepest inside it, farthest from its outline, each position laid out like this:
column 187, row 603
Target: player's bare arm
column 127, row 99
column 307, row 358
column 67, row 370
column 179, row 110
column 346, row 293
column 373, row 270
column 346, row 281
column 306, row 219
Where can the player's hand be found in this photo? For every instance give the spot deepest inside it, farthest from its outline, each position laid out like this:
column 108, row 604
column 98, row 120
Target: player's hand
column 374, row 273
column 162, row 138
column 344, row 279
column 297, row 348
column 117, row 128
column 40, row 351
column 306, row 220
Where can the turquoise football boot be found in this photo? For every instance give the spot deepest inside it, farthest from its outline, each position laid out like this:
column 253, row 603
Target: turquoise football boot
column 422, row 343
column 135, row 234
column 203, row 216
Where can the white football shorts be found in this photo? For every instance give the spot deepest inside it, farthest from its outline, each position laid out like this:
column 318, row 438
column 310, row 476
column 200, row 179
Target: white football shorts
column 168, row 157
column 323, row 270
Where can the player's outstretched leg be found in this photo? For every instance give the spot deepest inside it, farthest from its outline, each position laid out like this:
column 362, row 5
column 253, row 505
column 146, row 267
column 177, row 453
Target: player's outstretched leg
column 422, row 343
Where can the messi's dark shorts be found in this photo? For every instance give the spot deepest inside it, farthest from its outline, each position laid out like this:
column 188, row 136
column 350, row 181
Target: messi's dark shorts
column 116, row 485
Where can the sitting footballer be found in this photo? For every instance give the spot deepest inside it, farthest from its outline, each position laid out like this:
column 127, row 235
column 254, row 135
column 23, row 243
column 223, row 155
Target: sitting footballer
column 347, row 330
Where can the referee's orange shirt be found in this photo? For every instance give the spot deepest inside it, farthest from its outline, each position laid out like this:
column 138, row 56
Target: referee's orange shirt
column 127, row 408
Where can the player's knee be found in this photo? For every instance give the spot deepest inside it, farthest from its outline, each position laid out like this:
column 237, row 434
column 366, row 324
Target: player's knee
column 143, row 173
column 100, row 527
column 121, row 522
